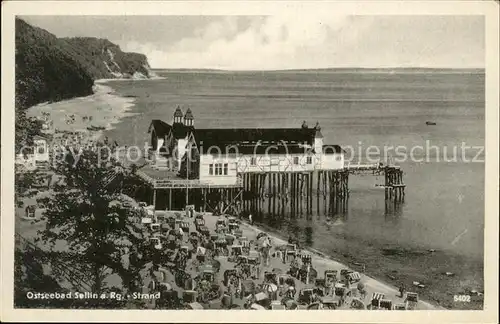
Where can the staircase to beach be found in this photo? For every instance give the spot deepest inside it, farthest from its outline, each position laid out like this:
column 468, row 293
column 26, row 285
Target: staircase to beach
column 70, row 277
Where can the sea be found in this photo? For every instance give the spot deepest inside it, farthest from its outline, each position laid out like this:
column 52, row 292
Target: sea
column 439, row 227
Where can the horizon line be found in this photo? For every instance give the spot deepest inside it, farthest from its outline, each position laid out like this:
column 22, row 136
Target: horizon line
column 324, row 69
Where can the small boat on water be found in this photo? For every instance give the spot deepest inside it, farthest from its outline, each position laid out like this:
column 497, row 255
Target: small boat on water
column 96, row 128
column 430, row 123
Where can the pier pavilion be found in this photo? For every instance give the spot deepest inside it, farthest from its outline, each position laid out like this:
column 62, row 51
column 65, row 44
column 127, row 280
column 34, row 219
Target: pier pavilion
column 246, row 169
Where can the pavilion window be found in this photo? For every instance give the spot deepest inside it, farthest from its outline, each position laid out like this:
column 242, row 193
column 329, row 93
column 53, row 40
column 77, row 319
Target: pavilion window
column 295, row 160
column 225, row 168
column 218, row 169
column 211, row 169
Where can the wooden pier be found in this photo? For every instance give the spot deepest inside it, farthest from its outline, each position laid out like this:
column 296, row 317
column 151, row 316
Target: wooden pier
column 275, row 193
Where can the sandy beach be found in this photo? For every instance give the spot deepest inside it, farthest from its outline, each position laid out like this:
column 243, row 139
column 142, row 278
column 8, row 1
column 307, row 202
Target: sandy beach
column 320, row 263
column 323, row 262
column 103, row 109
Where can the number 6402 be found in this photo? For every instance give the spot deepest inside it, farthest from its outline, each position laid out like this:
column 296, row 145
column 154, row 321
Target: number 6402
column 461, row 298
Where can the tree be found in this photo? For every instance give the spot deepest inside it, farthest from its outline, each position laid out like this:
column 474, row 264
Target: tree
column 191, row 158
column 25, row 130
column 29, row 278
column 87, row 216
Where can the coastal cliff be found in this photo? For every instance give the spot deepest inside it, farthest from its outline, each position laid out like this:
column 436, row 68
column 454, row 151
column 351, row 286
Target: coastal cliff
column 53, row 69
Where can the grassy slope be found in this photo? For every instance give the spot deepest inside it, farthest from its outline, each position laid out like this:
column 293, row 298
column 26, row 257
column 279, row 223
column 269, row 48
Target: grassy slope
column 44, row 72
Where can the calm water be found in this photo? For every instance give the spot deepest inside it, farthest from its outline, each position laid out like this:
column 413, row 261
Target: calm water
column 444, row 207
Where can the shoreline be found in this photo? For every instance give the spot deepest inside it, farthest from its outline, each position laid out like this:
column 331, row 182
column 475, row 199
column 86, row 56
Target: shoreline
column 327, row 258
column 439, row 289
column 105, row 107
column 104, row 81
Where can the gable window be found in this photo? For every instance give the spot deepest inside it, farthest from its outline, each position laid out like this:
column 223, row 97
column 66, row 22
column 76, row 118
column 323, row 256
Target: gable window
column 225, row 168
column 309, row 160
column 211, row 169
column 253, row 161
column 41, row 150
column 295, row 160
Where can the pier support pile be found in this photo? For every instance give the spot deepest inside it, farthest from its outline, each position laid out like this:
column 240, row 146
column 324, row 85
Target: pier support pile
column 394, row 186
column 298, row 193
column 277, row 193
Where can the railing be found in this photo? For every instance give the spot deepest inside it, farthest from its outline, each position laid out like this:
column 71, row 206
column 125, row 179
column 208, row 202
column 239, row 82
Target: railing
column 176, row 183
column 187, row 183
column 374, row 167
column 166, row 184
column 371, row 166
column 68, row 273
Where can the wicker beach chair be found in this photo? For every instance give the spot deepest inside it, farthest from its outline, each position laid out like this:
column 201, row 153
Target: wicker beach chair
column 376, row 297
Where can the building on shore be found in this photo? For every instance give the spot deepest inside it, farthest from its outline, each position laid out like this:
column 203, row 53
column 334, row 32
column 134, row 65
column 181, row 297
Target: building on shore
column 32, row 157
column 219, row 156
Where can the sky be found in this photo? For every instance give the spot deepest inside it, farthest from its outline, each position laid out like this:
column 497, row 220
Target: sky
column 286, row 41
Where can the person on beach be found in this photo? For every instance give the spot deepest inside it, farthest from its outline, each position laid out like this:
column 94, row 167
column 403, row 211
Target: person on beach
column 362, row 290
column 402, row 290
column 330, row 288
column 250, row 219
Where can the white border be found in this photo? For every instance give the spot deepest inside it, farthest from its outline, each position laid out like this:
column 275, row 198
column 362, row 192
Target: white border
column 489, row 9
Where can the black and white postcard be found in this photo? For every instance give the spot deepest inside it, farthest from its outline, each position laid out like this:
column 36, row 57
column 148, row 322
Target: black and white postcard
column 213, row 158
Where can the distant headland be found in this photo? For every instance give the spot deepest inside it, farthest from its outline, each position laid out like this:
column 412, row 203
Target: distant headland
column 50, row 69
